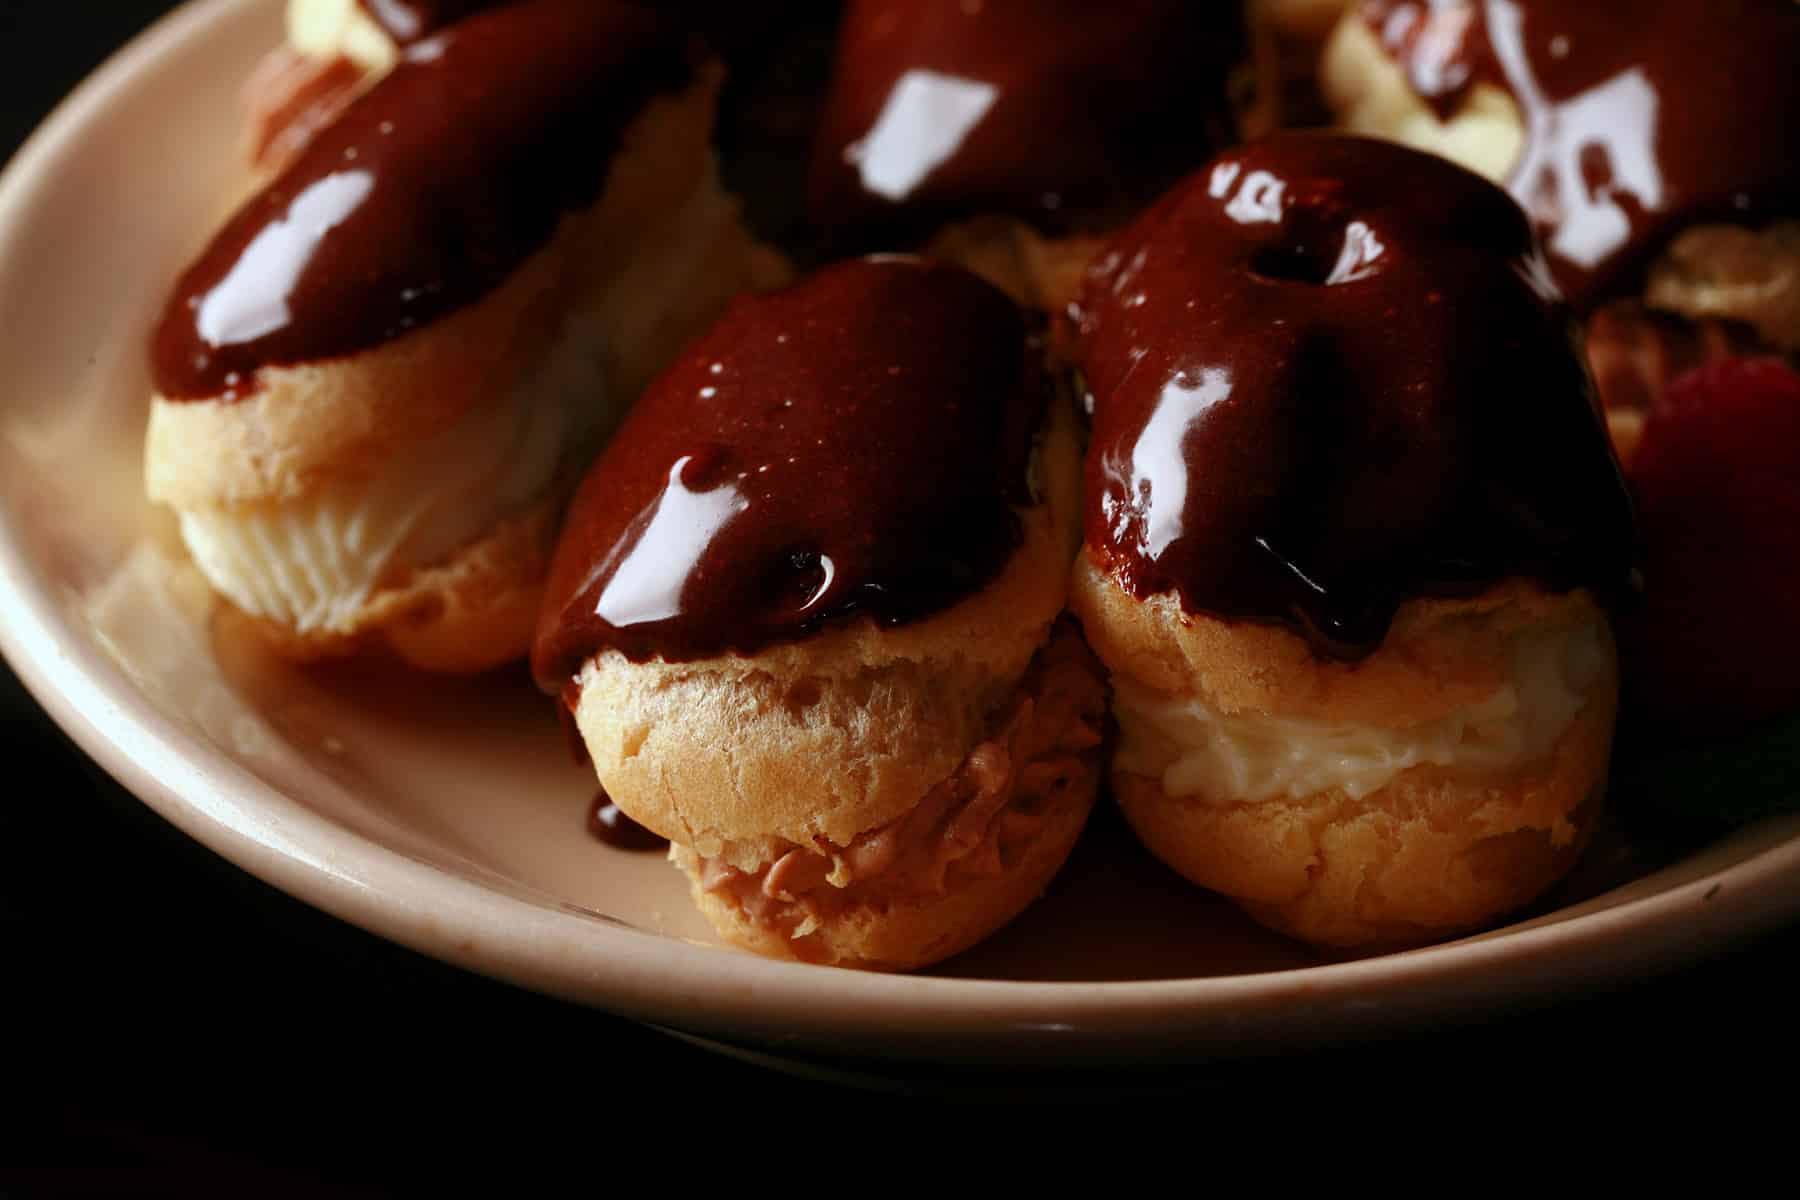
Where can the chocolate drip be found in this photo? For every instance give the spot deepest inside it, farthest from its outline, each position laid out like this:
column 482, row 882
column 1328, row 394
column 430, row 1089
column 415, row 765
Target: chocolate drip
column 609, row 824
column 854, row 444
column 1068, row 113
column 1641, row 116
column 1330, row 375
column 425, row 195
column 406, row 21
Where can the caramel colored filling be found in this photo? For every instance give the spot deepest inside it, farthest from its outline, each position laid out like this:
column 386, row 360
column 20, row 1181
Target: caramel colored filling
column 977, row 824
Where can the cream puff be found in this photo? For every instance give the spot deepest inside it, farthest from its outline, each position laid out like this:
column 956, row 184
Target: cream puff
column 806, row 614
column 1650, row 143
column 1351, row 519
column 1018, row 128
column 1616, row 124
column 376, row 386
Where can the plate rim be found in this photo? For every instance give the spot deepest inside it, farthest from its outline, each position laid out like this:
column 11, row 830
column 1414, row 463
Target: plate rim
column 703, row 989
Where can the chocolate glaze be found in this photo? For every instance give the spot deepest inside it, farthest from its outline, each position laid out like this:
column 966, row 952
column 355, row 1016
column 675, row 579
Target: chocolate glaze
column 854, row 444
column 423, row 196
column 406, row 21
column 1068, row 113
column 1641, row 116
column 609, row 824
column 1330, row 375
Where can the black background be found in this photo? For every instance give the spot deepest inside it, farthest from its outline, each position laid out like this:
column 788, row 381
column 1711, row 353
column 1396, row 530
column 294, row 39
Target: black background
column 173, row 1026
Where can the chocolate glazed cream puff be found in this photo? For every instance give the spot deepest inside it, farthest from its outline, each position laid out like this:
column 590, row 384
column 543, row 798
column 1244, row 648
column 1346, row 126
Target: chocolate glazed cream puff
column 376, row 387
column 1027, row 126
column 1350, row 518
column 1651, row 143
column 1614, row 123
column 806, row 612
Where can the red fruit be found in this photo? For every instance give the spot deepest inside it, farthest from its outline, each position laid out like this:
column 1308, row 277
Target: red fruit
column 1717, row 481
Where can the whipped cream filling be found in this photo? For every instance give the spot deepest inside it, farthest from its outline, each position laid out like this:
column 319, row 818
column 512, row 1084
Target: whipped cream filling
column 1196, row 750
column 313, row 563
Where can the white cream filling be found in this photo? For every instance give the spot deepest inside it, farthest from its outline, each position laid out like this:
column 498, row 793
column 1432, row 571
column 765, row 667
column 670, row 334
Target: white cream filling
column 1196, row 750
column 312, row 564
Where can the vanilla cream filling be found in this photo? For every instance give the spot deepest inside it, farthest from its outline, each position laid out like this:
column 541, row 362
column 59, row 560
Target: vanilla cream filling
column 1371, row 95
column 313, row 563
column 1196, row 750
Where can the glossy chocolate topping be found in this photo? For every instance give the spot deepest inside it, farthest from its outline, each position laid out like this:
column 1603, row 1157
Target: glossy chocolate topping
column 423, row 196
column 1641, row 116
column 1330, row 374
column 406, row 21
column 854, row 444
column 1068, row 113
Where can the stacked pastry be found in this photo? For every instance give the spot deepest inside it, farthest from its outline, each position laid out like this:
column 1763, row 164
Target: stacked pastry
column 806, row 615
column 1344, row 541
column 1350, row 519
column 376, row 386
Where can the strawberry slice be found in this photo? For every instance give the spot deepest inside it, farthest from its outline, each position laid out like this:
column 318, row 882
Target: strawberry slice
column 1717, row 482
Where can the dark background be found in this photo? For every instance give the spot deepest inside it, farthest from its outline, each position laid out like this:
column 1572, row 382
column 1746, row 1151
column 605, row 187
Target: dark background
column 192, row 1031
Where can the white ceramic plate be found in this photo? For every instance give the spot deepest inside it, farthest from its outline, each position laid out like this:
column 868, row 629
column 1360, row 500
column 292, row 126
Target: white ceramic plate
column 449, row 817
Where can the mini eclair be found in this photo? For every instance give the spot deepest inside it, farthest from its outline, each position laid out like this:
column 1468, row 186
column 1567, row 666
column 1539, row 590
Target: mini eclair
column 376, row 386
